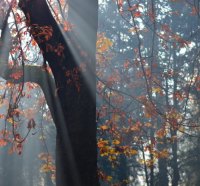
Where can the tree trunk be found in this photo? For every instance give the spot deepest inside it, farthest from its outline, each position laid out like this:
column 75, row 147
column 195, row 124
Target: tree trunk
column 162, row 175
column 173, row 131
column 176, row 175
column 76, row 150
column 162, row 164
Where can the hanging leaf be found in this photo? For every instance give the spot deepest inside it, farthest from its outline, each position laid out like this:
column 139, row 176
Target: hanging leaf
column 137, row 14
column 116, row 142
column 3, row 143
column 104, row 127
column 31, row 124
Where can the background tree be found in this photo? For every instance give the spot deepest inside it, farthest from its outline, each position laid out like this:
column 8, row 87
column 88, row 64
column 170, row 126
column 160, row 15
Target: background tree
column 155, row 104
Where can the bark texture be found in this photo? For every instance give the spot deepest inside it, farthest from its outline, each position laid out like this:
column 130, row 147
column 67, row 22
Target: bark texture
column 76, row 148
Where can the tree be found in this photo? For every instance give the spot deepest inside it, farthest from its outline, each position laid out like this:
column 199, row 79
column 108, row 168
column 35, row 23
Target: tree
column 76, row 151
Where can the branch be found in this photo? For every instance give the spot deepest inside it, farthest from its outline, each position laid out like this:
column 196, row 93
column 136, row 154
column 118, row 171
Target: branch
column 38, row 75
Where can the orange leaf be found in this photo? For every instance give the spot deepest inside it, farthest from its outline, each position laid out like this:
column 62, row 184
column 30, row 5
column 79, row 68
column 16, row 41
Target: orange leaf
column 104, row 127
column 137, row 14
column 116, row 142
column 3, row 143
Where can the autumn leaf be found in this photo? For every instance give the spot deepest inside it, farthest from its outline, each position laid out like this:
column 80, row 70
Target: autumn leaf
column 112, row 158
column 3, row 143
column 104, row 127
column 10, row 120
column 31, row 124
column 101, row 143
column 148, row 124
column 116, row 142
column 115, row 117
column 103, row 43
column 17, row 18
column 157, row 90
column 133, row 7
column 45, row 157
column 181, row 129
column 33, row 42
column 126, row 64
column 136, row 127
column 47, row 168
column 105, row 151
column 109, row 178
column 67, row 26
column 164, row 153
column 17, row 75
column 137, row 14
column 120, row 3
column 161, row 133
column 2, row 116
column 133, row 152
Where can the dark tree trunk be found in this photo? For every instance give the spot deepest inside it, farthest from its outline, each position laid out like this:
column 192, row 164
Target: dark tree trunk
column 75, row 120
column 162, row 175
column 176, row 175
column 162, row 165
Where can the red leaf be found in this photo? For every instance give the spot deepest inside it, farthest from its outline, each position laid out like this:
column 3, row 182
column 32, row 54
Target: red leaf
column 137, row 14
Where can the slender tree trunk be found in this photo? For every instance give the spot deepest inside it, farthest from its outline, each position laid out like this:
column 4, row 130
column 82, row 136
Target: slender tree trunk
column 162, row 163
column 145, row 167
column 176, row 175
column 122, row 170
column 76, row 150
column 162, row 175
column 151, row 182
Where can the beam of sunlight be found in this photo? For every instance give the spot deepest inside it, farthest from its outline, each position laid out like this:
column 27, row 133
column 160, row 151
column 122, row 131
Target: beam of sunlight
column 83, row 34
